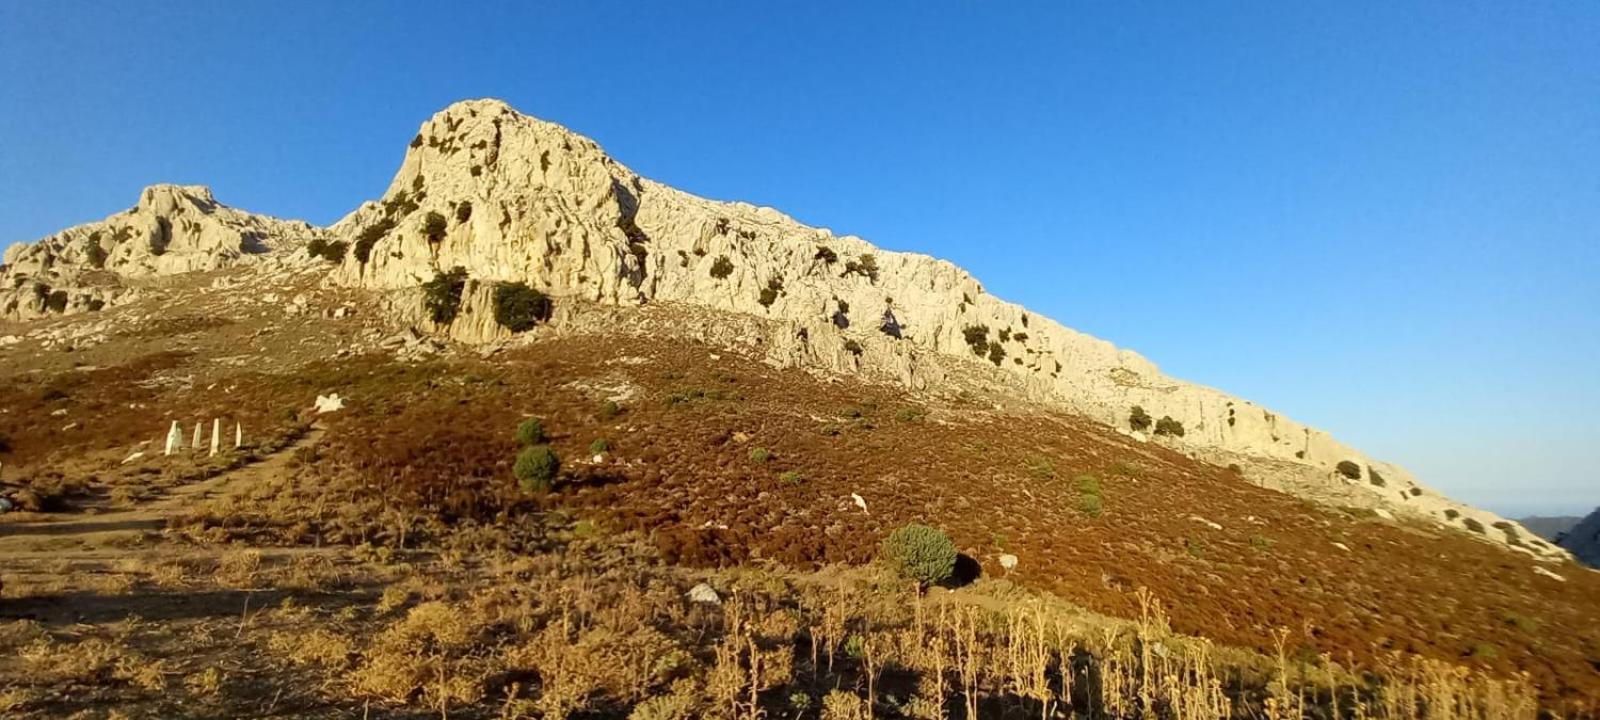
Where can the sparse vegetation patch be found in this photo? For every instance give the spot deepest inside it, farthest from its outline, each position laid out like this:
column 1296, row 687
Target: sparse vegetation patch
column 920, row 553
column 441, row 296
column 519, row 308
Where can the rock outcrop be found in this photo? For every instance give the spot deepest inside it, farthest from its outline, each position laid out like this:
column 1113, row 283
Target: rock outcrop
column 172, row 229
column 512, row 199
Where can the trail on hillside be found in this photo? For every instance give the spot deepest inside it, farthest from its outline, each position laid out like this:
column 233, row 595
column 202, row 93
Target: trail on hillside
column 85, row 535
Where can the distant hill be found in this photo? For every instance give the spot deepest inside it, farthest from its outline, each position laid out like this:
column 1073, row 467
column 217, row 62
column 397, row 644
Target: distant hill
column 1550, row 527
column 1583, row 540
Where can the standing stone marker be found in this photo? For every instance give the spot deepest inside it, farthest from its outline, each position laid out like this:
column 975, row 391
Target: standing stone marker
column 216, row 435
column 174, row 438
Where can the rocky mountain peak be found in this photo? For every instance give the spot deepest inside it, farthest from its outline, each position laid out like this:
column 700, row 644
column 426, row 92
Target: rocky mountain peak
column 508, row 198
column 170, row 229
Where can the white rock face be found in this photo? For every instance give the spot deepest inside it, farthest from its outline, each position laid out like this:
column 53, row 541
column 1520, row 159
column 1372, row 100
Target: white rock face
column 329, row 403
column 172, row 229
column 509, row 198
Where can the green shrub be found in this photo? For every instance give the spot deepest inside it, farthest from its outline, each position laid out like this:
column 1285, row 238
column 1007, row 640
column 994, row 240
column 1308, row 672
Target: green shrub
column 826, row 254
column 608, row 409
column 1167, row 426
column 530, row 432
column 854, row 348
column 1261, row 542
column 760, row 455
column 441, row 296
column 790, row 477
column 434, row 227
column 97, row 256
column 463, row 212
column 769, row 294
column 335, row 251
column 722, row 267
column 865, row 266
column 1138, row 419
column 518, row 307
column 910, row 413
column 1451, row 513
column 600, row 446
column 1089, row 500
column 1473, row 525
column 536, row 468
column 330, row 251
column 369, row 236
column 997, row 354
column 1349, row 470
column 1483, row 652
column 977, row 337
column 921, row 553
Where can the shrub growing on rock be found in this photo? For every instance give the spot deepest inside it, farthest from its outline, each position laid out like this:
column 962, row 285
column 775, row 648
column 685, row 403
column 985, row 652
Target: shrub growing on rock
column 1167, row 426
column 1138, row 419
column 1473, row 525
column 434, row 226
column 1349, row 470
column 442, row 295
column 997, row 353
column 331, row 251
column 977, row 337
column 536, row 468
column 760, row 455
column 369, row 236
column 518, row 307
column 770, row 293
column 921, row 553
column 865, row 266
column 722, row 267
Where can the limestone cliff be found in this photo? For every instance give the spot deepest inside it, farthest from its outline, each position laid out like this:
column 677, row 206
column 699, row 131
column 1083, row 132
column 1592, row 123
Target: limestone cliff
column 172, row 229
column 509, row 198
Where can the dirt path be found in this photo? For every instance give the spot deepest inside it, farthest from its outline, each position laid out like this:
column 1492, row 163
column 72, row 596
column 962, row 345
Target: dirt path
column 83, row 535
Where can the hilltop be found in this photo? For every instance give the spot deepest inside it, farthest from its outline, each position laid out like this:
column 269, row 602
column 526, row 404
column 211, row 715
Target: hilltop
column 737, row 401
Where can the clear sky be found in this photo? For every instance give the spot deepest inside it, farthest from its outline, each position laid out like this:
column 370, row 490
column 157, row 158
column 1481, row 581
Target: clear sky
column 1379, row 218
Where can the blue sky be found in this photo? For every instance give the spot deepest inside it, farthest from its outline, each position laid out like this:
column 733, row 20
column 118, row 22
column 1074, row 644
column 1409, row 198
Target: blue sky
column 1379, row 218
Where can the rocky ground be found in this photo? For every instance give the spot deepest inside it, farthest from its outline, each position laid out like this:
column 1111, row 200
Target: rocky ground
column 381, row 559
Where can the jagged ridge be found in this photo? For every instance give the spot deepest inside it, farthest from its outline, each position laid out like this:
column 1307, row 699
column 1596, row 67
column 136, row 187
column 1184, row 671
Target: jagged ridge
column 509, row 198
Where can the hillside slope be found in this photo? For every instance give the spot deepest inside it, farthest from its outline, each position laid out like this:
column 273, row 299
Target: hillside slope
column 410, row 487
column 509, row 198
